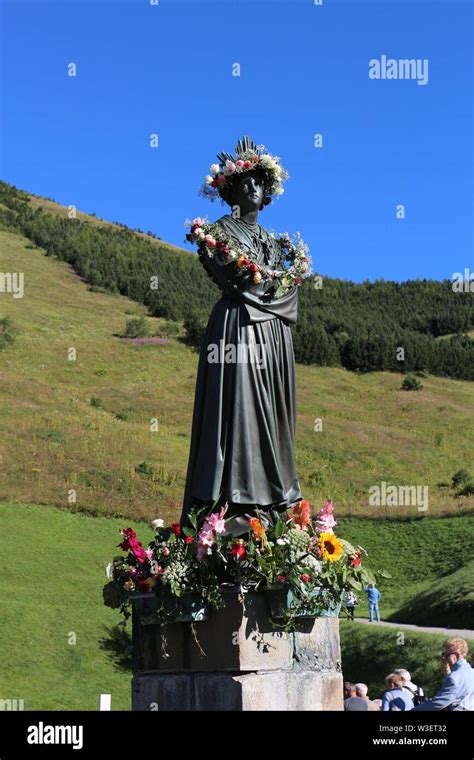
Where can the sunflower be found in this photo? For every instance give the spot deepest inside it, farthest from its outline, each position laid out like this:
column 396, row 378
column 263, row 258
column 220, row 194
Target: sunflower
column 330, row 546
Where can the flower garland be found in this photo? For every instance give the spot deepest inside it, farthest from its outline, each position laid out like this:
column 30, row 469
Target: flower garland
column 213, row 242
column 249, row 157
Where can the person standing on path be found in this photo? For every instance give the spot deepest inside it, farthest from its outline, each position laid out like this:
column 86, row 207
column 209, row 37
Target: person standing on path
column 373, row 595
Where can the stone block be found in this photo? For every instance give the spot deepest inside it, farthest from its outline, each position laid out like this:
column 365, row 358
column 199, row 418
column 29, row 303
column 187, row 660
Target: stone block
column 236, row 638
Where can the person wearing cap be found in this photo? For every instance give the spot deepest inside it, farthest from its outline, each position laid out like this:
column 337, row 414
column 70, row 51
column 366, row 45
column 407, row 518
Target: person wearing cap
column 457, row 690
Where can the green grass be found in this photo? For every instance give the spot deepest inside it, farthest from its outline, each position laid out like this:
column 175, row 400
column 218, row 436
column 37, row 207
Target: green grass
column 429, row 563
column 53, row 439
column 370, row 654
column 50, row 595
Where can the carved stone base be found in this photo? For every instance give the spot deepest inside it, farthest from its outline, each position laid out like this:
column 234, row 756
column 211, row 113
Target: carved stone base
column 238, row 662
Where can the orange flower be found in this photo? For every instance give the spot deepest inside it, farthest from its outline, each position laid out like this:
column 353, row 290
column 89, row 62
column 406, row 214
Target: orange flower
column 301, row 513
column 257, row 528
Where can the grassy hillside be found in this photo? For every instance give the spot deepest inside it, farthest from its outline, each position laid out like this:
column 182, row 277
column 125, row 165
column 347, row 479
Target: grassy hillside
column 430, row 564
column 85, row 424
column 61, row 647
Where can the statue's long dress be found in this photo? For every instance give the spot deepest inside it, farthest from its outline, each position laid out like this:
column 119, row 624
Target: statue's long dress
column 242, row 442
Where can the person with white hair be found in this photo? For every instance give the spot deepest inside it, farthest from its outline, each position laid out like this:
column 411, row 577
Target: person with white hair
column 362, row 692
column 416, row 692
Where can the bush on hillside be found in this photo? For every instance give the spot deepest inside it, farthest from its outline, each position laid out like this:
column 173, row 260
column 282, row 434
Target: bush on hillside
column 7, row 333
column 411, row 383
column 137, row 327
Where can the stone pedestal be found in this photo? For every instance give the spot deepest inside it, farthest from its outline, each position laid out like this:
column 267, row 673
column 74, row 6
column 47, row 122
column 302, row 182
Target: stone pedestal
column 237, row 663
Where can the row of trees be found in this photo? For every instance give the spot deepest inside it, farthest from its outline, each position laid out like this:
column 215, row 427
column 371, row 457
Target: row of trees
column 369, row 326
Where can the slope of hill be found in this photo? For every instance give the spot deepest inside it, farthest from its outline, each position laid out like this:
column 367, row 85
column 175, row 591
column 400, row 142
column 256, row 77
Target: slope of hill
column 85, row 425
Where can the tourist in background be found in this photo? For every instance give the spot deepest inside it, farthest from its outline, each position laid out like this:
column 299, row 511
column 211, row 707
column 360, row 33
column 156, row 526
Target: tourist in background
column 373, row 595
column 353, row 703
column 415, row 692
column 396, row 698
column 362, row 692
column 457, row 690
column 350, row 598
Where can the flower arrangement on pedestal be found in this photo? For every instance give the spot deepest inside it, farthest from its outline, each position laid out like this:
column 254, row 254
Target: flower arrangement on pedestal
column 297, row 561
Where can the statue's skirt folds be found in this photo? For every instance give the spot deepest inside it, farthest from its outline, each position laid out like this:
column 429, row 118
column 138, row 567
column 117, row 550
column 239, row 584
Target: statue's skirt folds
column 242, row 444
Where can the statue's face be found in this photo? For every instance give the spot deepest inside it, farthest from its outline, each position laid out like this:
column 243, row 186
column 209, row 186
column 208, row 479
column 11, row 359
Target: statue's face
column 248, row 193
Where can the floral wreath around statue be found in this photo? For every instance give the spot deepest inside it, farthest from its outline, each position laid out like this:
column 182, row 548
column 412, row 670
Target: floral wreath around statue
column 213, row 242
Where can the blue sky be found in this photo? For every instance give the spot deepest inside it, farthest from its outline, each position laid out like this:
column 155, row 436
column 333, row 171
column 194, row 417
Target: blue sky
column 167, row 69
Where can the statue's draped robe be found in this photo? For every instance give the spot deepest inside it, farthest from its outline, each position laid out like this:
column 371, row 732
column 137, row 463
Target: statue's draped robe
column 242, row 442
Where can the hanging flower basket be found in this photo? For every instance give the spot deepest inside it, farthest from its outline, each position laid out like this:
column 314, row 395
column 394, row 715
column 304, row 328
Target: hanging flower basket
column 283, row 604
column 153, row 609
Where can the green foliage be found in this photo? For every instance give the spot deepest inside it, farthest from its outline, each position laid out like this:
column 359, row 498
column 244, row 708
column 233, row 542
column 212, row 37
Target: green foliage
column 146, row 469
column 7, row 333
column 137, row 327
column 195, row 327
column 358, row 326
column 461, row 477
column 411, row 383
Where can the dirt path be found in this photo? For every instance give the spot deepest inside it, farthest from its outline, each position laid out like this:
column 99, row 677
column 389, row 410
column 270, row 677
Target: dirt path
column 448, row 632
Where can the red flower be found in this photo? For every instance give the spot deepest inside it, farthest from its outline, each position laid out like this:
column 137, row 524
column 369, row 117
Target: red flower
column 143, row 586
column 246, row 262
column 247, row 164
column 214, row 183
column 238, row 549
column 355, row 560
column 305, row 577
column 176, row 529
column 281, row 578
column 189, row 539
column 298, row 280
column 253, row 268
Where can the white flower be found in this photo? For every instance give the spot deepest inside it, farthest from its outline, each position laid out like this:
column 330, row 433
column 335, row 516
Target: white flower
column 282, row 541
column 208, row 179
column 215, row 168
column 157, row 524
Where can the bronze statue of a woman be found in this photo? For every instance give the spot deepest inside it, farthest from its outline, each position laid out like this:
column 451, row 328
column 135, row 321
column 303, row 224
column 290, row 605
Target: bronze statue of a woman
column 243, row 431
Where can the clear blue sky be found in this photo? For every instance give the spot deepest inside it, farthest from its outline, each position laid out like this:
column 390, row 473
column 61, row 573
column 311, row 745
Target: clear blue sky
column 167, row 69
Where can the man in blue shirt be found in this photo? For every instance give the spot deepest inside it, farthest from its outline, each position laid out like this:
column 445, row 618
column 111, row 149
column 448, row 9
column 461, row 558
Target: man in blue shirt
column 457, row 689
column 373, row 595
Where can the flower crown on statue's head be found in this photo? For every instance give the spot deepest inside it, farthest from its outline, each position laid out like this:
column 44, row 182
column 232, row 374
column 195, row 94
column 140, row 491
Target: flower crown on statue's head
column 249, row 157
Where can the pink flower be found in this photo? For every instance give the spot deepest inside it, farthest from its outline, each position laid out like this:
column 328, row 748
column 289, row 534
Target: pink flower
column 305, row 577
column 325, row 521
column 197, row 222
column 165, row 551
column 281, row 578
column 210, row 241
column 229, row 168
column 239, row 163
column 213, row 525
